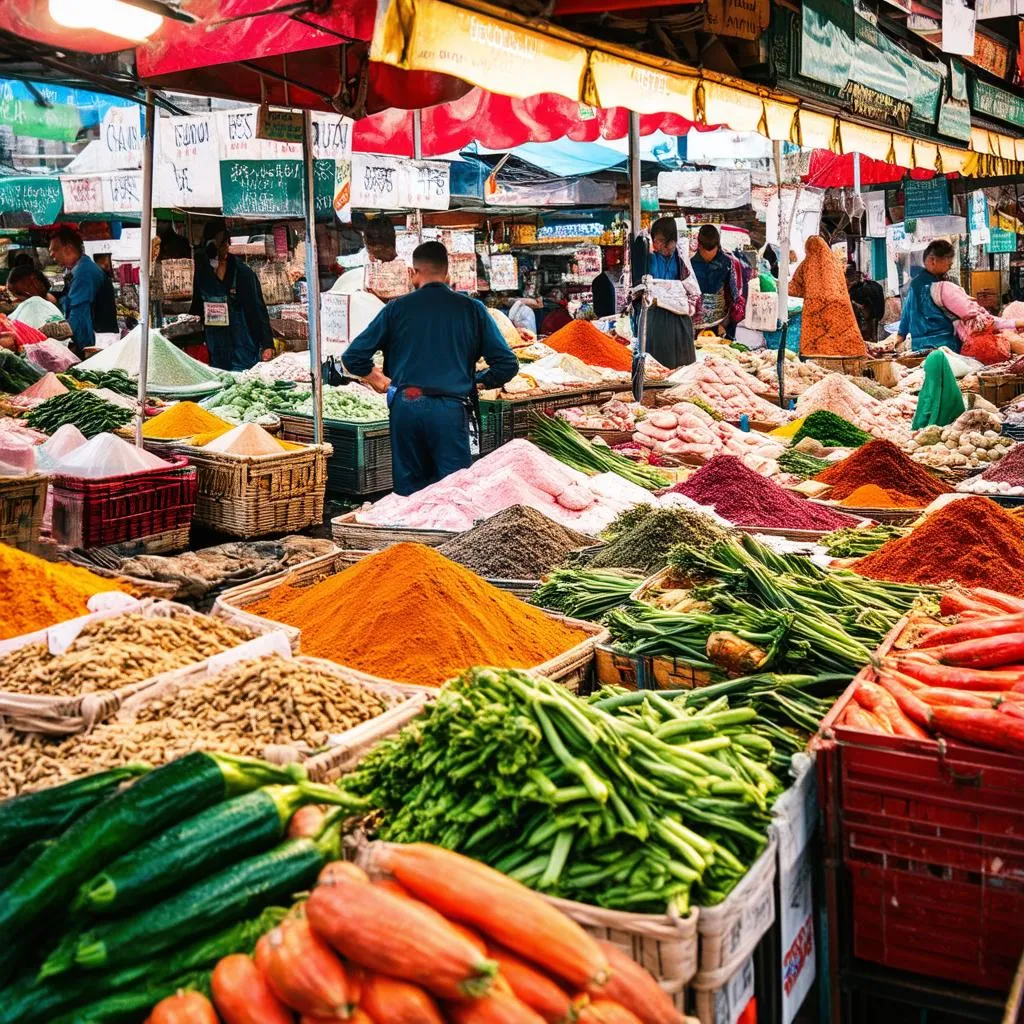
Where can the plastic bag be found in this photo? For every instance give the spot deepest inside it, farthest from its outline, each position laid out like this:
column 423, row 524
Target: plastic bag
column 50, row 356
column 986, row 346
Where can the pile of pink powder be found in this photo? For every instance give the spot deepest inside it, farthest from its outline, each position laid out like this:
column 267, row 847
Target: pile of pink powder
column 748, row 499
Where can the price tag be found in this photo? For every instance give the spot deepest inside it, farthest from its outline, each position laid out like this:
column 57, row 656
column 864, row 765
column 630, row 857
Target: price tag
column 215, row 314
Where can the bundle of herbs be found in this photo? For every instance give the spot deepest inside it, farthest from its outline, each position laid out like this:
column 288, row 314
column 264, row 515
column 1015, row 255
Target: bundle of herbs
column 586, row 593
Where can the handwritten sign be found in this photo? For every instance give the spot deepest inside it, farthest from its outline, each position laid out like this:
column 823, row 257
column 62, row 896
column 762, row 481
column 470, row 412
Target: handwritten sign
column 334, row 317
column 741, row 19
column 926, row 198
column 38, row 198
column 279, row 125
column 462, row 272
column 504, row 273
column 121, row 138
column 588, row 260
column 122, row 193
column 82, row 195
column 387, row 280
column 261, row 188
column 236, row 130
column 385, row 183
column 332, row 137
column 427, row 184
column 187, row 161
column 874, row 204
column 460, row 241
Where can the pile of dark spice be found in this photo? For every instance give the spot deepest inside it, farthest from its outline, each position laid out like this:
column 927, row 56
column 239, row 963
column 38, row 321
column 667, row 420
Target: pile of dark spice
column 641, row 537
column 517, row 544
column 831, row 430
column 883, row 464
column 1009, row 469
column 972, row 542
column 746, row 498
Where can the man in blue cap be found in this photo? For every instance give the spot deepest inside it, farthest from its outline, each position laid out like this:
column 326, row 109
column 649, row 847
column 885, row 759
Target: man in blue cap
column 432, row 339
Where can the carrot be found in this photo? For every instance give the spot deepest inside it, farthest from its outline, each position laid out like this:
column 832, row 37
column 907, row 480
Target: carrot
column 502, row 909
column 994, row 597
column 397, row 1002
column 912, row 706
column 989, row 652
column 531, row 987
column 954, row 602
column 340, row 870
column 943, row 697
column 933, row 674
column 303, row 971
column 391, row 935
column 497, row 1008
column 884, row 707
column 358, row 1017
column 877, row 711
column 183, row 1008
column 604, row 1011
column 1011, row 708
column 633, row 987
column 391, row 886
column 857, row 717
column 242, row 996
column 992, row 626
column 986, row 728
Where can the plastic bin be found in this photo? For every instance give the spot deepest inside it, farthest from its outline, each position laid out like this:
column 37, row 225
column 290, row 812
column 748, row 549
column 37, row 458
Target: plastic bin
column 360, row 463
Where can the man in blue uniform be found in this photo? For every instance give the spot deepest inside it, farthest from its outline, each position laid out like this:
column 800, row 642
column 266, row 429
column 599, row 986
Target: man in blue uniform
column 928, row 326
column 88, row 297
column 431, row 340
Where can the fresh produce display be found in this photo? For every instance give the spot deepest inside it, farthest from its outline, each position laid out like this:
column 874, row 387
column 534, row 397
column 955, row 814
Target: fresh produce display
column 288, row 366
column 838, row 394
column 638, row 808
column 113, row 652
column 349, row 403
column 251, row 401
column 798, row 374
column 800, row 464
column 1006, row 477
column 450, row 618
column 558, row 438
column 856, row 543
column 970, row 441
column 961, row 682
column 614, row 415
column 971, row 541
column 745, row 498
column 112, row 380
column 871, row 496
column 883, row 464
column 16, row 374
column 36, row 594
column 831, row 430
column 517, row 544
column 517, row 473
column 582, row 339
column 687, row 429
column 586, row 593
column 90, row 414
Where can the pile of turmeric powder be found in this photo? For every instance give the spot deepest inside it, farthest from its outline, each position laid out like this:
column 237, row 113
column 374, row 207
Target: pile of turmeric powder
column 408, row 613
column 873, row 496
column 36, row 594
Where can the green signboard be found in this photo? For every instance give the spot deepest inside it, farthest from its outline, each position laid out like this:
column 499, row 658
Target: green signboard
column 273, row 188
column 997, row 103
column 954, row 108
column 59, row 122
column 1002, row 241
column 39, row 198
column 927, row 198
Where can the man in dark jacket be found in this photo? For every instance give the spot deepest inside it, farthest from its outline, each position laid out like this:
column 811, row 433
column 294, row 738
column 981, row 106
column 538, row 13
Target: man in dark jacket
column 88, row 297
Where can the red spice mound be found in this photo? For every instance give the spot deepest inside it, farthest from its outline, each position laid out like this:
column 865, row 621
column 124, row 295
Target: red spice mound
column 883, row 464
column 583, row 340
column 748, row 499
column 971, row 541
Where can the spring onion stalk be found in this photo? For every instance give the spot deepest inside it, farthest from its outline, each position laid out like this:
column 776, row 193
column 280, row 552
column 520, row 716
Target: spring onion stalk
column 586, row 594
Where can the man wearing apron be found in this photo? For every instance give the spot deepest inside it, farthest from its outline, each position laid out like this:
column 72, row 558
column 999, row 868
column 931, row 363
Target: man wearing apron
column 432, row 339
column 227, row 295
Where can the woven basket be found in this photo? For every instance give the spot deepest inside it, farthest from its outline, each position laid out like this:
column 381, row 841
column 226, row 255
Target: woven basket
column 22, row 503
column 62, row 715
column 572, row 668
column 256, row 495
column 347, row 533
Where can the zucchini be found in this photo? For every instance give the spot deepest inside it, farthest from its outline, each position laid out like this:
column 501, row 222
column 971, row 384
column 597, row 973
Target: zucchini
column 10, row 869
column 158, row 800
column 28, row 1001
column 230, row 895
column 133, row 1004
column 221, row 835
column 48, row 812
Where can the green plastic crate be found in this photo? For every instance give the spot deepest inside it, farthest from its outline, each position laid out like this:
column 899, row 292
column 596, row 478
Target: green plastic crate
column 361, row 463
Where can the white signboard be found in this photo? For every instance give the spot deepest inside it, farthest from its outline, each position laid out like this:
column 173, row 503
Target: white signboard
column 123, row 192
column 709, row 190
column 82, row 195
column 236, row 131
column 957, row 28
column 334, row 317
column 805, row 223
column 985, row 9
column 121, row 138
column 504, row 273
column 874, row 205
column 427, row 184
column 332, row 137
column 187, row 171
column 386, row 183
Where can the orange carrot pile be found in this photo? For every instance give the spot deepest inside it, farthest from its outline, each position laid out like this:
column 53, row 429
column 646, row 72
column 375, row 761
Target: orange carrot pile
column 964, row 682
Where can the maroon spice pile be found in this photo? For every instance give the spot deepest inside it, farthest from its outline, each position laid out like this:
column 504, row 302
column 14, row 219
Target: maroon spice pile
column 748, row 499
column 1009, row 469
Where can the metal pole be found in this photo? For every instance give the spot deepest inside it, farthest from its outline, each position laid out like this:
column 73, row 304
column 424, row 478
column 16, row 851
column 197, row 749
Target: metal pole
column 783, row 292
column 635, row 216
column 144, row 265
column 313, row 283
column 636, row 273
column 417, row 154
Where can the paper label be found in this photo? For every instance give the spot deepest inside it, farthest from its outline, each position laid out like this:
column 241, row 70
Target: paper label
column 731, row 1000
column 334, row 317
column 215, row 314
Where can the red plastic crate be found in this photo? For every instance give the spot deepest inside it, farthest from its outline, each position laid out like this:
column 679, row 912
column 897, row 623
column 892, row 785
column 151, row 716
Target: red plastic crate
column 931, row 836
column 91, row 513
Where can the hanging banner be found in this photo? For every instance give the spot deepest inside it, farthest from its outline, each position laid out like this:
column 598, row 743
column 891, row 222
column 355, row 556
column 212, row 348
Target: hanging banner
column 187, row 169
column 82, row 195
column 39, row 198
column 954, row 108
column 332, row 136
column 462, row 272
column 427, row 184
column 709, row 190
column 957, row 28
column 997, row 103
column 874, row 204
column 805, row 223
column 1002, row 241
column 236, row 131
column 122, row 192
column 926, row 198
column 977, row 218
column 504, row 272
column 387, row 183
column 58, row 122
column 121, row 138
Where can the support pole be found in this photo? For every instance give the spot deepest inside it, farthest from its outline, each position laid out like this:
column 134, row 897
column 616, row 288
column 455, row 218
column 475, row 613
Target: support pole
column 417, row 154
column 144, row 264
column 783, row 292
column 636, row 272
column 634, row 184
column 313, row 282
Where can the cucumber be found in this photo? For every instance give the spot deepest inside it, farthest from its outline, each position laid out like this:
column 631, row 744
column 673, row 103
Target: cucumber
column 33, row 816
column 221, row 835
column 230, row 895
column 10, row 869
column 28, row 1001
column 158, row 800
column 133, row 1004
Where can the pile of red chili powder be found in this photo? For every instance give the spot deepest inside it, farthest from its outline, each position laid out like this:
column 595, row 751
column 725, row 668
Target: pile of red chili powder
column 883, row 464
column 971, row 541
column 748, row 499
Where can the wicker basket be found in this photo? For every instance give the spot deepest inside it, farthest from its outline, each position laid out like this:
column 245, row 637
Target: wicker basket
column 573, row 668
column 62, row 715
column 1000, row 388
column 172, row 280
column 256, row 495
column 22, row 503
column 347, row 533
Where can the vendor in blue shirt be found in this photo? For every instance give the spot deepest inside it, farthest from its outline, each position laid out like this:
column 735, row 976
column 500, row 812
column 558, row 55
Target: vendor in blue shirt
column 926, row 323
column 88, row 297
column 432, row 339
column 227, row 295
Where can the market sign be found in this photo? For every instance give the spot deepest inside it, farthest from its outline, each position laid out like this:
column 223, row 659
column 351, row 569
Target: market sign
column 261, row 188
column 926, row 198
column 387, row 183
column 954, row 108
column 997, row 103
column 279, row 125
column 876, row 106
column 738, row 19
column 1002, row 241
column 39, row 198
column 985, row 9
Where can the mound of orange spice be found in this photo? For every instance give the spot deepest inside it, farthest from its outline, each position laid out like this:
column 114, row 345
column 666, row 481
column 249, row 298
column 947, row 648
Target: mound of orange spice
column 883, row 464
column 585, row 341
column 408, row 613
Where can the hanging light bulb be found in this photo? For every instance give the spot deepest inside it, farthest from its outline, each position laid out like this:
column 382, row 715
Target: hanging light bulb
column 111, row 16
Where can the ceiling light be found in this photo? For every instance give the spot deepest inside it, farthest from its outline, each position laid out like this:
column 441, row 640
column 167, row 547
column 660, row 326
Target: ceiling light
column 111, row 16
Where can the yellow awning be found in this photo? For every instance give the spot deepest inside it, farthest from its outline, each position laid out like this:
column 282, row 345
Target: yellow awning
column 505, row 53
